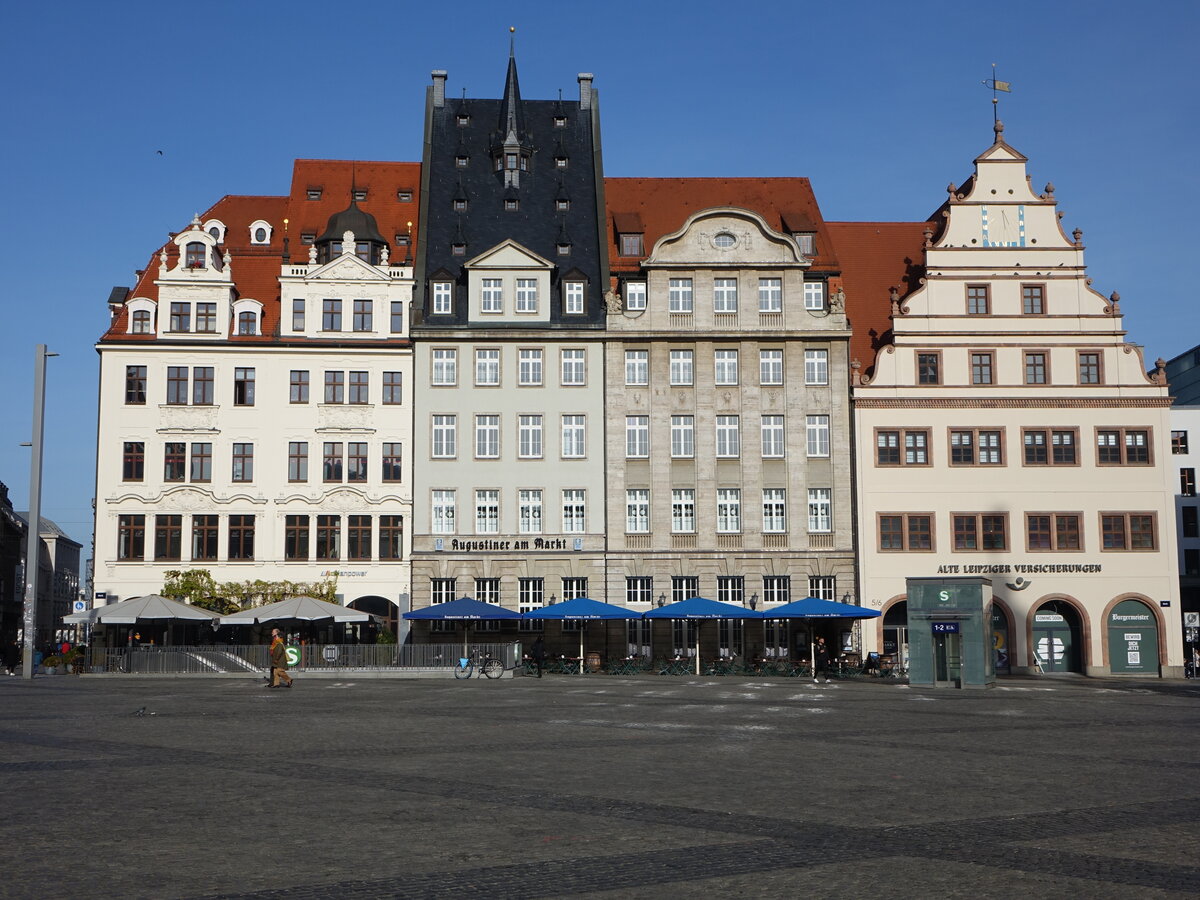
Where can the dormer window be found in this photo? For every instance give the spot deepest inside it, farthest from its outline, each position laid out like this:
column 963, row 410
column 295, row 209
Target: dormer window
column 404, row 196
column 560, row 162
column 260, row 235
column 260, row 232
column 458, row 249
column 313, row 193
column 307, row 238
column 195, row 255
column 247, row 323
column 564, row 249
column 560, row 121
column 216, row 233
column 216, row 228
column 512, row 205
column 359, row 194
column 463, row 120
column 805, row 241
column 140, row 322
column 362, row 250
column 632, row 245
column 510, row 160
column 402, row 240
column 460, row 205
column 562, row 205
column 461, row 161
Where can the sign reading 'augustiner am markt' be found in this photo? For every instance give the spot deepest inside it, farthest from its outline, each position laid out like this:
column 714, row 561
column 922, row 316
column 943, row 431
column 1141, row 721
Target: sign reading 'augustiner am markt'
column 1020, row 569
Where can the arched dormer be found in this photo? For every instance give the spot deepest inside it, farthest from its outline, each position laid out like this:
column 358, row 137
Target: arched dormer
column 140, row 319
column 216, row 228
column 260, row 232
column 247, row 317
column 198, row 251
column 369, row 244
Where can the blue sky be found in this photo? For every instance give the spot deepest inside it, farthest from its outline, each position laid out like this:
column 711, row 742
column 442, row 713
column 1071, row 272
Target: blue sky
column 879, row 103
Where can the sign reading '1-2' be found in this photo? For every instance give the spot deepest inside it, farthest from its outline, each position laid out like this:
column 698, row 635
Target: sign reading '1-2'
column 945, row 627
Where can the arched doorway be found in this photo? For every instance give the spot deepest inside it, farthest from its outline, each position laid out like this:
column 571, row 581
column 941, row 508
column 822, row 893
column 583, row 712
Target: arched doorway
column 1132, row 639
column 895, row 633
column 386, row 616
column 1058, row 638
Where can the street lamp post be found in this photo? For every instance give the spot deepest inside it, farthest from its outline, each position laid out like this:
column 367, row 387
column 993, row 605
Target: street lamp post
column 33, row 539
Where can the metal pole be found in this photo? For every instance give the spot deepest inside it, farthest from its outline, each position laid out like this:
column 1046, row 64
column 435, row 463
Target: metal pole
column 33, row 539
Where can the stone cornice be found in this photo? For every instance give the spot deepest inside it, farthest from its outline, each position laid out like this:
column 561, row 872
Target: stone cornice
column 1012, row 403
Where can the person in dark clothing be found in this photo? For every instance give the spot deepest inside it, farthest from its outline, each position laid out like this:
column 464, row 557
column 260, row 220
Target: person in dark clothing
column 279, row 672
column 821, row 661
column 538, row 652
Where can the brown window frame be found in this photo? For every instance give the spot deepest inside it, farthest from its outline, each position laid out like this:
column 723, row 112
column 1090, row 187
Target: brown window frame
column 1041, row 297
column 196, row 462
column 175, row 453
column 991, row 366
column 391, row 537
column 987, row 299
column 356, row 462
column 1049, row 446
column 131, row 537
column 937, row 367
column 329, row 537
column 1126, row 531
column 978, row 520
column 1179, row 441
column 901, row 447
column 905, row 532
column 133, row 461
column 975, row 447
column 359, row 533
column 1123, row 433
column 333, row 462
column 296, row 538
column 1079, row 354
column 358, row 389
column 135, row 385
column 1045, row 365
column 1054, row 532
column 206, row 530
column 241, row 537
column 393, row 388
column 1187, row 481
column 242, row 469
column 168, row 537
column 393, row 462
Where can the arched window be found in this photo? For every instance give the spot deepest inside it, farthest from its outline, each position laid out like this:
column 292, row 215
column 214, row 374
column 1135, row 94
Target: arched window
column 194, row 257
column 141, row 322
column 247, row 323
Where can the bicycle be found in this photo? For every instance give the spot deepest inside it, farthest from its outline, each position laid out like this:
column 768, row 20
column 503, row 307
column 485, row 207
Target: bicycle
column 488, row 665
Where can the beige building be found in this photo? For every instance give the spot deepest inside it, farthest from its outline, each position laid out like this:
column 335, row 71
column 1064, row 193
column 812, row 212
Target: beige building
column 1005, row 429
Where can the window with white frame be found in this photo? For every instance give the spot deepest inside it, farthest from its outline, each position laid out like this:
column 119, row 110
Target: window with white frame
column 487, row 366
column 683, row 437
column 820, row 510
column 773, row 445
column 637, row 367
column 817, row 432
column 487, row 437
column 729, row 436
column 529, row 436
column 777, row 589
column 635, row 295
column 682, row 367
column 529, row 519
column 637, row 436
column 492, row 299
column 443, row 298
column 573, row 369
column 731, row 589
column 770, row 367
column 679, row 295
column 445, row 437
column 442, row 512
column 814, row 295
column 574, row 511
column 637, row 511
column 441, row 590
column 574, row 442
column 530, row 596
column 487, row 511
column 816, row 367
column 774, row 510
column 684, row 587
column 529, row 370
column 725, row 366
column 823, row 587
column 527, row 295
column 725, row 295
column 445, row 366
column 729, row 510
column 573, row 298
column 770, row 295
column 683, row 510
column 639, row 589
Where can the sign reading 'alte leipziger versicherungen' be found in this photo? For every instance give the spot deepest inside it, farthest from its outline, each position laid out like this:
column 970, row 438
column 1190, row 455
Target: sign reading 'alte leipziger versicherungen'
column 1021, row 569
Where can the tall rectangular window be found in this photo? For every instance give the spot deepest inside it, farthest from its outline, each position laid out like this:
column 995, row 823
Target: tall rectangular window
column 529, row 369
column 729, row 436
column 135, row 385
column 329, row 538
column 131, row 537
column 298, row 309
column 331, row 315
column 487, row 437
column 637, row 367
column 725, row 295
column 574, row 372
column 774, row 508
column 574, row 512
column 295, row 537
column 241, row 537
column 297, row 461
column 637, row 436
column 684, row 587
column 527, row 295
column 682, row 367
column 393, row 388
column 929, row 368
column 1179, row 442
column 391, row 537
column 175, row 461
column 442, row 512
column 635, row 294
column 445, row 437
column 177, row 385
column 445, row 366
column 683, row 437
column 358, row 537
column 298, row 386
column 204, row 537
column 772, row 437
column 243, row 462
column 487, row 512
column 529, row 512
column 1187, row 482
column 729, row 510
column 181, row 317
column 487, row 367
column 531, row 594
column 441, row 590
column 1089, row 368
column 731, row 589
column 443, row 292
column 820, row 510
column 243, row 386
column 331, row 462
column 202, row 386
column 981, row 368
column 683, row 510
column 817, row 434
column 725, row 366
column 356, row 461
column 639, row 589
column 770, row 295
column 393, row 469
column 978, row 300
column 574, row 443
column 573, row 302
column 529, row 436
column 1033, row 299
column 1189, row 521
column 637, row 511
column 168, row 537
column 814, row 295
column 335, row 387
column 816, row 367
column 770, row 367
column 133, row 461
column 777, row 589
column 201, row 470
column 492, row 298
column 364, row 315
column 360, row 388
column 1035, row 368
column 679, row 295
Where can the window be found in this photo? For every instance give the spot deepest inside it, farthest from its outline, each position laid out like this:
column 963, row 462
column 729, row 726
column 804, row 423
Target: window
column 201, row 462
column 632, row 245
column 574, row 518
column 729, row 439
column 332, row 462
column 356, row 461
column 820, row 510
column 683, row 442
column 1048, row 447
column 1033, row 299
column 247, row 322
column 1089, row 368
column 563, row 248
column 204, row 537
column 492, row 299
column 639, row 589
column 168, row 537
column 1052, row 531
column 679, row 295
column 529, row 512
column 445, row 366
column 1190, row 519
column 243, row 462
column 530, row 596
column 529, row 370
column 978, row 300
column 637, row 436
column 814, row 295
column 573, row 304
column 131, row 537
column 574, row 443
column 905, row 531
column 770, row 295
column 206, row 318
column 682, row 367
column 777, row 589
column 683, row 510
column 135, row 385
column 295, row 537
column 445, row 437
column 1128, row 531
column 487, row 437
column 976, row 447
column 243, row 387
column 823, row 587
column 725, row 366
column 392, row 457
column 1179, row 439
column 331, row 315
column 731, row 589
column 441, row 590
column 141, row 322
column 396, row 317
column 202, row 386
column 1035, row 368
column 458, row 249
column 888, row 444
column 241, row 537
column 181, row 317
column 443, row 293
column 1187, row 482
column 442, row 512
column 725, row 295
column 175, row 461
column 817, row 433
column 684, row 587
column 635, row 294
column 393, row 388
column 729, row 510
column 529, row 436
column 364, row 315
column 335, row 387
column 772, row 437
column 562, row 204
column 329, row 537
column 360, row 392
column 527, row 295
column 980, row 531
column 637, row 367
column 133, row 462
column 358, row 537
column 770, row 367
column 816, row 367
column 981, row 368
column 929, row 368
column 391, row 537
column 487, row 512
column 573, row 369
column 1123, row 446
column 177, row 385
column 297, row 461
column 774, row 510
column 1191, row 562
column 298, row 307
column 461, row 161
column 637, row 511
column 298, row 386
column 487, row 367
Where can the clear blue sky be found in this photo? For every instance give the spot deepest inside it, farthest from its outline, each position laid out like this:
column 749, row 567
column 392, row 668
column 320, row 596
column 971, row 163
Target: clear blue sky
column 879, row 103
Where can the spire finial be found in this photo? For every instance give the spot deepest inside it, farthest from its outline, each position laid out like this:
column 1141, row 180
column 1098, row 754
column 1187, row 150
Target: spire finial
column 996, row 86
column 512, row 42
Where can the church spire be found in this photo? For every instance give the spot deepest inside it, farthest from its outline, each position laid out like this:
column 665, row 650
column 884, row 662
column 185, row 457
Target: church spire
column 512, row 120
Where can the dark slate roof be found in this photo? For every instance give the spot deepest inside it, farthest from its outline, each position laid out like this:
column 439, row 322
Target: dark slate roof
column 537, row 224
column 352, row 219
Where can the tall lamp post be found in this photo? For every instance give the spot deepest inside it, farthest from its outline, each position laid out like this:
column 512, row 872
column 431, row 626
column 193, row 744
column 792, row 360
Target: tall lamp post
column 33, row 539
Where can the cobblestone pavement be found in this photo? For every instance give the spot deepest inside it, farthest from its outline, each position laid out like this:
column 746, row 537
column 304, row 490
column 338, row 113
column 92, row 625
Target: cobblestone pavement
column 597, row 787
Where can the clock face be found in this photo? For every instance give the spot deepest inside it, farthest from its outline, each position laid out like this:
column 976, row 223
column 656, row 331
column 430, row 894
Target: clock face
column 1004, row 226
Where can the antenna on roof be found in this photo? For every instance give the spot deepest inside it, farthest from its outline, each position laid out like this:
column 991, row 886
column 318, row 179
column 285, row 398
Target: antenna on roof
column 997, row 86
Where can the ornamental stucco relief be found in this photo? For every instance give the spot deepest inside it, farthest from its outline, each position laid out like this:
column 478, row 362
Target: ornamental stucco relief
column 187, row 418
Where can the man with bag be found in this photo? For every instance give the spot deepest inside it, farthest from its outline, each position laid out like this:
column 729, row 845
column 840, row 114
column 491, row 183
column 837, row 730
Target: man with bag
column 279, row 673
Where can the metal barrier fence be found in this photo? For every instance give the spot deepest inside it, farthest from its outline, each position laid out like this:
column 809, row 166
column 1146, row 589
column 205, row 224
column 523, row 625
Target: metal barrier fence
column 226, row 659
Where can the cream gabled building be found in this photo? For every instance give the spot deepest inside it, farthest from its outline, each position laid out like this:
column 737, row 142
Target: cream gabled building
column 1005, row 429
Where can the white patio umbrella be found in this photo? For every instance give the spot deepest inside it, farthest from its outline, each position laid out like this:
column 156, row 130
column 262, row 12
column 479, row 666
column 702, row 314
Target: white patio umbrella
column 151, row 606
column 303, row 607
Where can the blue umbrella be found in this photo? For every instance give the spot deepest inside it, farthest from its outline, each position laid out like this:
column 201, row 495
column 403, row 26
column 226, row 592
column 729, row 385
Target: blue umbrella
column 465, row 609
column 701, row 608
column 816, row 608
column 582, row 608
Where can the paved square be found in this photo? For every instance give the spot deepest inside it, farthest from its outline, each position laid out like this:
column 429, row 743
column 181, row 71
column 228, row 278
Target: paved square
column 597, row 786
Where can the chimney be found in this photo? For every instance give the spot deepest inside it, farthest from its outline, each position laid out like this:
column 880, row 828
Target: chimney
column 439, row 88
column 585, row 89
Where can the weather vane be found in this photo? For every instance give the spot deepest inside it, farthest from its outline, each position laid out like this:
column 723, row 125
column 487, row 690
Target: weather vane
column 997, row 86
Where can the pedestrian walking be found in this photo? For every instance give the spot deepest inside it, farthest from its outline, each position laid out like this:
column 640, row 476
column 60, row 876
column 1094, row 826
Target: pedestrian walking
column 821, row 661
column 279, row 673
column 538, row 652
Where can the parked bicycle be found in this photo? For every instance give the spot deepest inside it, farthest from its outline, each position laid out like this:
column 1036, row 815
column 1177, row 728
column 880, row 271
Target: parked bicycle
column 479, row 663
